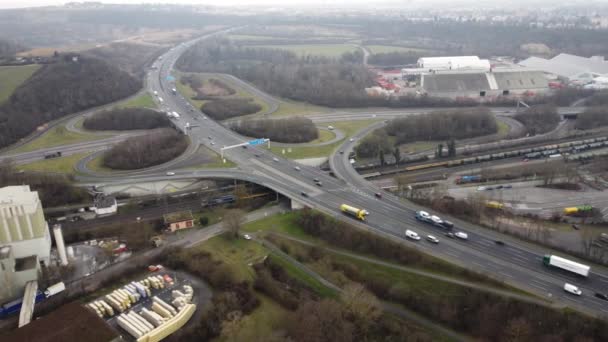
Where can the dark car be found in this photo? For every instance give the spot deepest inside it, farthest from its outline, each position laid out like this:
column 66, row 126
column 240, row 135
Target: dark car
column 575, row 226
column 258, row 155
column 378, row 195
column 447, row 224
column 508, row 186
column 341, row 152
column 450, row 235
column 500, row 243
column 244, row 146
column 304, row 194
column 319, row 183
column 316, row 180
column 498, row 187
column 601, row 296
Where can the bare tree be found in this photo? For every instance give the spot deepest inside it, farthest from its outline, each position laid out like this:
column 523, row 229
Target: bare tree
column 233, row 220
column 587, row 237
column 361, row 305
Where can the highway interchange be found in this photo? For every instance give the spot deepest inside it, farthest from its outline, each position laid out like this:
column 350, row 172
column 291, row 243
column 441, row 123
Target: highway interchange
column 516, row 262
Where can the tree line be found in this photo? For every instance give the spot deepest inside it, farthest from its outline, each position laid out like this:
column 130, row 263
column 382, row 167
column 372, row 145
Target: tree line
column 289, row 130
column 442, row 125
column 196, row 84
column 59, row 89
column 314, row 79
column 120, row 119
column 53, row 189
column 147, row 150
column 539, row 119
column 592, row 117
column 223, row 109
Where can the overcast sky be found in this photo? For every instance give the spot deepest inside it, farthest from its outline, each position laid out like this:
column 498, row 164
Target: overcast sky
column 333, row 3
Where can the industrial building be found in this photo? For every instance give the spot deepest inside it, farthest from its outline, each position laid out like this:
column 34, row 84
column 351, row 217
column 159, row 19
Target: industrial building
column 484, row 85
column 179, row 220
column 25, row 240
column 570, row 68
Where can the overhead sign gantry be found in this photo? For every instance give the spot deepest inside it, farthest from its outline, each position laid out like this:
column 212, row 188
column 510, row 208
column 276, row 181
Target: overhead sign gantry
column 253, row 142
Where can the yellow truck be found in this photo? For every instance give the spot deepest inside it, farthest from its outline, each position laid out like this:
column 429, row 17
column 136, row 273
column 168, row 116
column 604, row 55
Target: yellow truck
column 494, row 205
column 357, row 213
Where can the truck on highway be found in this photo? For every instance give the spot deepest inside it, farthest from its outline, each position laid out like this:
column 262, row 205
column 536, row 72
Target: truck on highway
column 565, row 264
column 580, row 210
column 52, row 155
column 355, row 212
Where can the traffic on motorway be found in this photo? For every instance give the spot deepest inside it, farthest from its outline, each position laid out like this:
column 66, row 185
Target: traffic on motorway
column 349, row 197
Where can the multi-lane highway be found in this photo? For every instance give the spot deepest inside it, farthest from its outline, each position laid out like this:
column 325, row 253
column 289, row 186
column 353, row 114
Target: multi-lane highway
column 516, row 262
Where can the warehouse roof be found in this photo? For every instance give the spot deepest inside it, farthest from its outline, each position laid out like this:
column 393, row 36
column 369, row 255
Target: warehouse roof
column 567, row 65
column 69, row 323
column 521, row 80
column 455, row 82
column 178, row 216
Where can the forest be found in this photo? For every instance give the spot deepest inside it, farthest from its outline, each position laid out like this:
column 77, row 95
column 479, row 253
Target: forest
column 119, row 119
column 59, row 89
column 539, row 119
column 290, row 130
column 139, row 152
column 443, row 125
column 222, row 109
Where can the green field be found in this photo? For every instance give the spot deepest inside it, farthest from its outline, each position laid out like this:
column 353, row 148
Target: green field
column 143, row 100
column 217, row 162
column 327, row 50
column 12, row 76
column 503, row 129
column 239, row 254
column 388, row 48
column 55, row 165
column 57, row 136
column 349, row 128
column 292, row 108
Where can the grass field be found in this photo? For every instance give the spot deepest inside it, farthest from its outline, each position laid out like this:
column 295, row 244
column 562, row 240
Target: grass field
column 96, row 165
column 217, row 162
column 57, row 136
column 388, row 48
column 143, row 100
column 291, row 108
column 55, row 165
column 503, row 128
column 251, row 37
column 12, row 76
column 327, row 50
column 349, row 128
column 239, row 254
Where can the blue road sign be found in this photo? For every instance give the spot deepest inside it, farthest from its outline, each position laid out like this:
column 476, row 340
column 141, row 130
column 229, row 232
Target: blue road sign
column 257, row 142
column 170, row 78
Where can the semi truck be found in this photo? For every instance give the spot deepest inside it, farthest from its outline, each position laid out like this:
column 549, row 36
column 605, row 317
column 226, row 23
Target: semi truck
column 52, row 155
column 565, row 264
column 580, row 210
column 357, row 213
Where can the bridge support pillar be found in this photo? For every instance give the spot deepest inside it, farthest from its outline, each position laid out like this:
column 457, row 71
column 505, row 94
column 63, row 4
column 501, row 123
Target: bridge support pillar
column 297, row 205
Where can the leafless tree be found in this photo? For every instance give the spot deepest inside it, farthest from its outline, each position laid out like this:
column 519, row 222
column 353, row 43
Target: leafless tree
column 232, row 221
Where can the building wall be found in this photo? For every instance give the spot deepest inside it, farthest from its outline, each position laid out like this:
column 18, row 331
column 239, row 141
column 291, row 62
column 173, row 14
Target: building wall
column 7, row 279
column 181, row 225
column 40, row 246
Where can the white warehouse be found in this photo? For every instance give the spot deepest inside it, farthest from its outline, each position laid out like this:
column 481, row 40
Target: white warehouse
column 453, row 63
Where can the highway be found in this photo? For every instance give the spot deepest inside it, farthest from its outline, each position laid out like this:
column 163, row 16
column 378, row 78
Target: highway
column 517, row 262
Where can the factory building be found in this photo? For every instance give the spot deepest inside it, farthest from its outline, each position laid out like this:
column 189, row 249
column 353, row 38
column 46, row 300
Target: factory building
column 570, row 68
column 25, row 240
column 484, row 85
column 453, row 63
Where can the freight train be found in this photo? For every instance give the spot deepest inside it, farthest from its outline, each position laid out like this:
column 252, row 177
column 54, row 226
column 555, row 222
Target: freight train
column 571, row 150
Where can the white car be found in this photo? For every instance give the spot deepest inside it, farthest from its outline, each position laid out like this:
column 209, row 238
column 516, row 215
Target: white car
column 276, row 159
column 247, row 237
column 410, row 234
column 331, row 128
column 461, row 235
column 351, row 139
column 572, row 289
column 297, row 168
column 423, row 216
column 481, row 188
column 436, row 220
column 432, row 239
column 170, row 173
column 212, row 143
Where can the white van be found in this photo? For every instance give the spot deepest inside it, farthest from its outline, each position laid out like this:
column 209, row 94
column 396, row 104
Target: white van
column 410, row 234
column 572, row 289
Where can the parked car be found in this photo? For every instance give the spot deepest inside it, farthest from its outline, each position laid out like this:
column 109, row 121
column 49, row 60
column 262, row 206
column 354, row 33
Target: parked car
column 432, row 239
column 572, row 289
column 410, row 234
column 462, row 235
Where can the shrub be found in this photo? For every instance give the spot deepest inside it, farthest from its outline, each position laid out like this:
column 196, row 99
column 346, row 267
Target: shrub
column 126, row 119
column 291, row 130
column 372, row 144
column 204, row 220
column 144, row 151
column 229, row 108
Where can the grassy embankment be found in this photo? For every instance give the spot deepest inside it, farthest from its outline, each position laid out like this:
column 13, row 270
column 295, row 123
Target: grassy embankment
column 12, row 76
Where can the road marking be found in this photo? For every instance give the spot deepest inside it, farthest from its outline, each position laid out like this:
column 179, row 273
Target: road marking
column 478, row 264
column 539, row 287
column 505, row 274
column 453, row 254
column 520, row 259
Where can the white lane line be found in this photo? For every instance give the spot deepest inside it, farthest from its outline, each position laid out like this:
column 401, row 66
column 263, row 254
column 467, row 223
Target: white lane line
column 539, row 287
column 604, row 310
column 520, row 259
column 453, row 254
column 505, row 274
column 516, row 251
column 478, row 264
